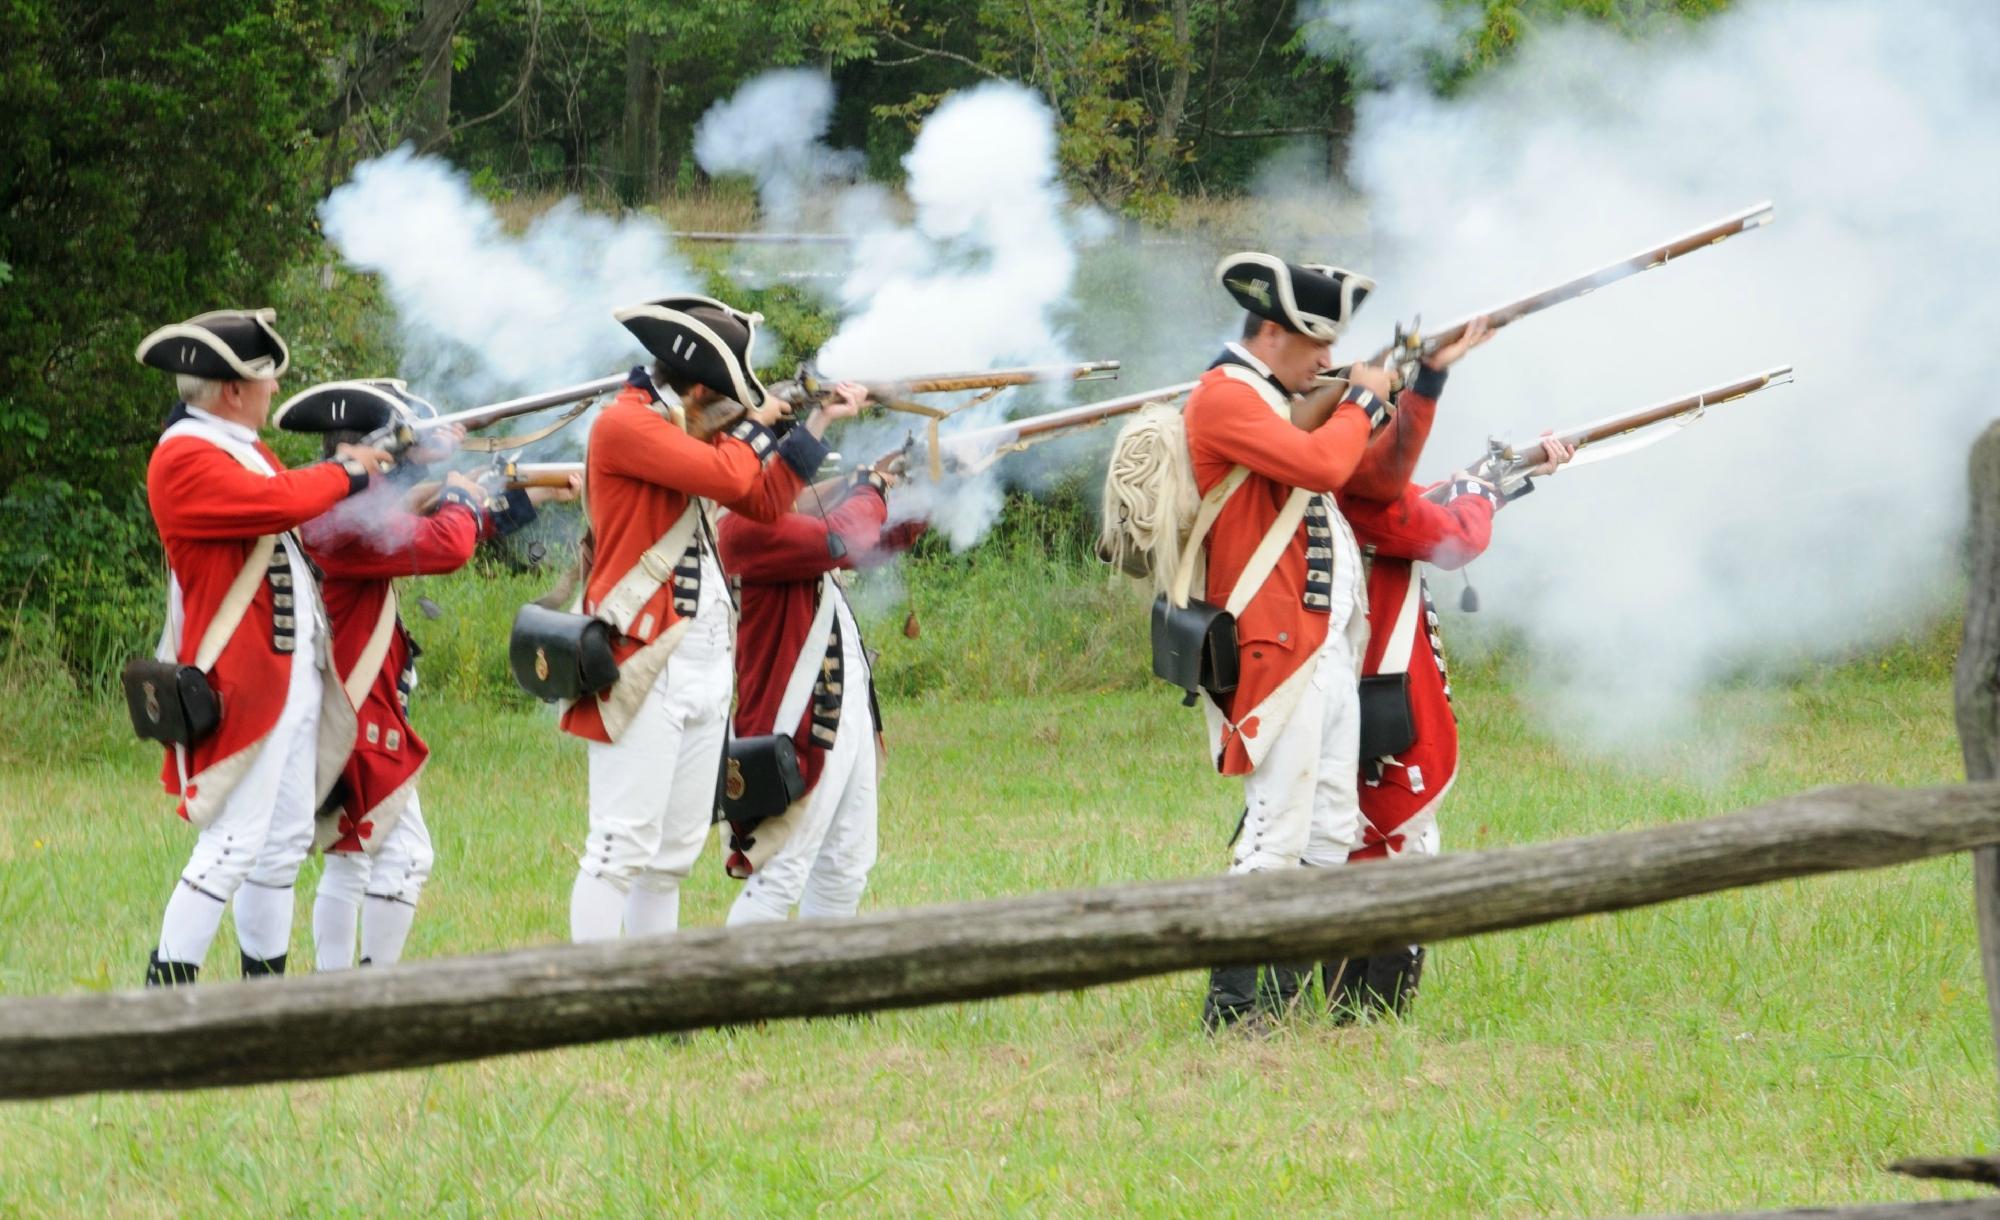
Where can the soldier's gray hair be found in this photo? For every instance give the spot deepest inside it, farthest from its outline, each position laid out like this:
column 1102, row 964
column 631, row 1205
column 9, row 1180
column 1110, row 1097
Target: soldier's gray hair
column 197, row 391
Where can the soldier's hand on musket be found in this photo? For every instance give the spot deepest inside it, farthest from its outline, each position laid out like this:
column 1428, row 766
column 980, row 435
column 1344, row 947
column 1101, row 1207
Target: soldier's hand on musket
column 891, row 469
column 846, row 400
column 773, row 410
column 371, row 459
column 1476, row 332
column 539, row 496
column 843, row 402
column 1373, row 378
column 1558, row 453
column 437, row 445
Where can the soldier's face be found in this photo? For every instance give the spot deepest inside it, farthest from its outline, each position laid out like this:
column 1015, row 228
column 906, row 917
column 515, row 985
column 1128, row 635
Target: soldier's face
column 1299, row 359
column 256, row 399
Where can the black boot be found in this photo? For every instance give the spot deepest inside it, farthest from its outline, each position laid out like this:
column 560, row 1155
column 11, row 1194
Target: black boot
column 263, row 967
column 170, row 974
column 1232, row 996
column 1279, row 991
column 1345, row 981
column 1392, row 979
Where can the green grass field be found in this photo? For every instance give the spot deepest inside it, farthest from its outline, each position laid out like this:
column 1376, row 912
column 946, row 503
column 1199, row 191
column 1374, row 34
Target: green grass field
column 1761, row 1048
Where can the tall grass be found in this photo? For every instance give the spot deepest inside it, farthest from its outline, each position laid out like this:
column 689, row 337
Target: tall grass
column 1761, row 1048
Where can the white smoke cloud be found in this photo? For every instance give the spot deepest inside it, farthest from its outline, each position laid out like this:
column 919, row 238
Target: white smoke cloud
column 982, row 274
column 980, row 279
column 482, row 314
column 1804, row 521
column 773, row 130
column 1387, row 40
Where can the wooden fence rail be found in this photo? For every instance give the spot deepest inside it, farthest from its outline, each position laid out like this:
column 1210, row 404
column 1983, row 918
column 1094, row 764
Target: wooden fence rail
column 447, row 1010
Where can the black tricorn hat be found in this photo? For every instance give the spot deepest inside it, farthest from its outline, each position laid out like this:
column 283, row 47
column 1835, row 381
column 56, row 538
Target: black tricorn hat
column 702, row 338
column 1312, row 299
column 360, row 406
column 226, row 345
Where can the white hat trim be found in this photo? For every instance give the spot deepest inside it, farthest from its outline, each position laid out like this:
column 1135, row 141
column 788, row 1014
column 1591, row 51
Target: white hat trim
column 192, row 329
column 735, row 366
column 365, row 388
column 1317, row 326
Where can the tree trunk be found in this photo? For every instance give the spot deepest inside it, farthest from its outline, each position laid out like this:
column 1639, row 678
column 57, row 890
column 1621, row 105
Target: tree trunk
column 639, row 151
column 430, row 108
column 1166, row 133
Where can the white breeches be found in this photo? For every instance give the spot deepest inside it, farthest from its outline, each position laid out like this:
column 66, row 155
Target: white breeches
column 396, row 871
column 652, row 792
column 1302, row 802
column 822, row 868
column 266, row 826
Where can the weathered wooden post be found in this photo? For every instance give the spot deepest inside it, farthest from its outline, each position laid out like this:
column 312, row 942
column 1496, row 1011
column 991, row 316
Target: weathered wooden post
column 1976, row 694
column 1976, row 700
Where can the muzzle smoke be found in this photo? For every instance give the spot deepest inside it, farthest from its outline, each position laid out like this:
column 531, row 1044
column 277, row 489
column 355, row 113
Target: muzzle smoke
column 979, row 279
column 1805, row 521
column 773, row 130
column 482, row 314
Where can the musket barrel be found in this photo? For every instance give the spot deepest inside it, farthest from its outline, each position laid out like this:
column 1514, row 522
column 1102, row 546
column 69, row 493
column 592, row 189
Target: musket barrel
column 493, row 413
column 1621, row 425
column 886, row 390
column 1091, row 370
column 1642, row 260
column 1059, row 421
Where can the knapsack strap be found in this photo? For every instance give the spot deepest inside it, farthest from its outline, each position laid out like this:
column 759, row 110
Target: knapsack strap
column 1396, row 654
column 242, row 590
column 654, row 568
column 805, row 670
column 369, row 663
column 1265, row 558
column 1204, row 521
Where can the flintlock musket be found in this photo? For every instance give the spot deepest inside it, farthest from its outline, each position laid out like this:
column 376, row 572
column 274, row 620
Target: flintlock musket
column 1502, row 461
column 1411, row 346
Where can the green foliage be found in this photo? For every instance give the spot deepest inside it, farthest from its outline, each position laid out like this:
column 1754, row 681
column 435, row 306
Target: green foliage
column 1029, row 611
column 86, row 575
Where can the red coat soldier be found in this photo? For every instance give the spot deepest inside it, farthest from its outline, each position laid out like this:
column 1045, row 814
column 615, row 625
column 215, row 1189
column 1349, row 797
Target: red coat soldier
column 1402, row 791
column 1283, row 562
column 378, row 848
column 244, row 608
column 804, row 672
column 655, row 738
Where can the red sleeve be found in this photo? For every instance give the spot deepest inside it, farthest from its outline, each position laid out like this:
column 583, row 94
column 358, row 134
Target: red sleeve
column 794, row 547
column 893, row 541
column 771, row 495
column 398, row 544
column 198, row 491
column 639, row 444
column 1230, row 423
column 1448, row 535
column 1390, row 461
